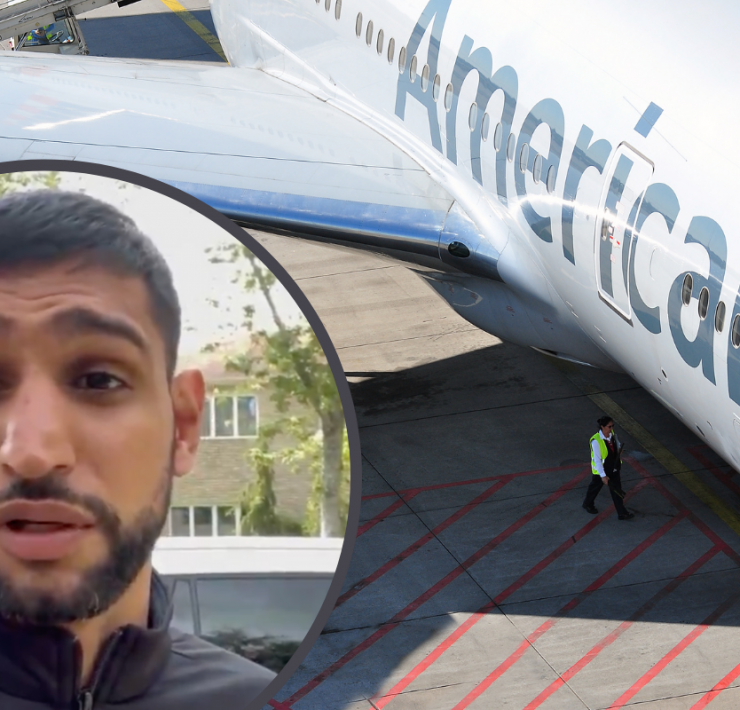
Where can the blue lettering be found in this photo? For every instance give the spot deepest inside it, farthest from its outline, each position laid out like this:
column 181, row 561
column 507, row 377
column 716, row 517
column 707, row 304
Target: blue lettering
column 708, row 233
column 547, row 111
column 437, row 10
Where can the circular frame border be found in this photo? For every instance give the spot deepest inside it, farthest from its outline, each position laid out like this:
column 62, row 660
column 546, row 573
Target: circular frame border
column 350, row 417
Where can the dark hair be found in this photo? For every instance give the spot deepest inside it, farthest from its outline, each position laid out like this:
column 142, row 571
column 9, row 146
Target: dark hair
column 44, row 227
column 603, row 421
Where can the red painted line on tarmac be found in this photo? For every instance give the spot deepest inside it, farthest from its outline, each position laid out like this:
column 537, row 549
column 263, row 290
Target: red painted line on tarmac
column 390, row 625
column 695, row 519
column 614, row 635
column 471, row 481
column 392, row 508
column 423, row 540
column 279, row 706
column 720, row 475
column 674, row 652
column 461, row 630
column 714, row 692
column 572, row 604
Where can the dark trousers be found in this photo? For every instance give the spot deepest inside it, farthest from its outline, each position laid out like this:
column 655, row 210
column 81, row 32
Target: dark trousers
column 615, row 482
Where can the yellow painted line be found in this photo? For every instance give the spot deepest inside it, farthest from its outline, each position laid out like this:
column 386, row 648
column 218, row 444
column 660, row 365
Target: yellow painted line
column 670, row 462
column 198, row 27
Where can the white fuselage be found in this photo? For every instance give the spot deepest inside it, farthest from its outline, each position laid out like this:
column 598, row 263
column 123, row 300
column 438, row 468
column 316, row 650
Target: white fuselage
column 572, row 82
column 623, row 107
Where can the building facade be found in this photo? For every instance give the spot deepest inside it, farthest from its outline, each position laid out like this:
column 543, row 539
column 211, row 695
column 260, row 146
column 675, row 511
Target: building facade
column 205, row 502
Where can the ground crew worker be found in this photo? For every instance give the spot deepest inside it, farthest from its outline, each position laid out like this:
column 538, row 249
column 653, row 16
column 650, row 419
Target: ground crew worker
column 606, row 467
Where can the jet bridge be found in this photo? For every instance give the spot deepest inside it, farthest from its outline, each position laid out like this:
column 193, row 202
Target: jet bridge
column 47, row 25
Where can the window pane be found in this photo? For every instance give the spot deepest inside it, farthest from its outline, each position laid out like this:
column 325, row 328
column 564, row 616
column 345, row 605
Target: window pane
column 275, row 607
column 180, row 522
column 205, row 422
column 226, row 521
column 182, row 617
column 203, row 521
column 247, row 411
column 224, row 416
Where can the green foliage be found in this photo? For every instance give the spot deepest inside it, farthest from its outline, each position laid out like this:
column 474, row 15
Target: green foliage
column 258, row 505
column 290, row 362
column 12, row 182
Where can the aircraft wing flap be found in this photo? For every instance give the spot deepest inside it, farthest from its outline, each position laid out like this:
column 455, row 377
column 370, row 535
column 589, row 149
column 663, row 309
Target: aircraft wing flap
column 264, row 152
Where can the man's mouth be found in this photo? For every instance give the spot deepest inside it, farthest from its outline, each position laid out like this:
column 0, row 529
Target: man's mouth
column 35, row 526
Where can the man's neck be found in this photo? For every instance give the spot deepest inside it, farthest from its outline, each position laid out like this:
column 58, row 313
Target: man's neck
column 131, row 608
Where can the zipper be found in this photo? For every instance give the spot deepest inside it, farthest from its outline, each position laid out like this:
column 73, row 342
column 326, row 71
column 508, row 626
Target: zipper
column 86, row 696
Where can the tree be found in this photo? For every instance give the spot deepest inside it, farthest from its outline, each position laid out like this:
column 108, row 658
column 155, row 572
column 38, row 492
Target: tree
column 12, row 182
column 289, row 360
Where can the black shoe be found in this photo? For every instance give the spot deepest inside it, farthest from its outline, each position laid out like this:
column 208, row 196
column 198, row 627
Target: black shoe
column 627, row 516
column 590, row 509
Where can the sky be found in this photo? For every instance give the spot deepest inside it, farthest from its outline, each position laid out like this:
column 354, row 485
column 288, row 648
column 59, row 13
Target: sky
column 182, row 236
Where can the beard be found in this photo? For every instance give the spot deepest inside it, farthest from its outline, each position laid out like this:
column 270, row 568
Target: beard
column 100, row 586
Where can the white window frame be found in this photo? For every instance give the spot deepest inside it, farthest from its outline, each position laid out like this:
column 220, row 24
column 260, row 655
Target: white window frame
column 234, row 399
column 214, row 520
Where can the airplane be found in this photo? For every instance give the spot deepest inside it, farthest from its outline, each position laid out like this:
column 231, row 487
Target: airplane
column 560, row 173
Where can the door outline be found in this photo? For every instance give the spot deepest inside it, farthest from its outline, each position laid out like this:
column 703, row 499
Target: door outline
column 609, row 203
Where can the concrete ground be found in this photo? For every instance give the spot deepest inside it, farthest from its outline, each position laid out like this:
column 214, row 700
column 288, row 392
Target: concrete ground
column 478, row 581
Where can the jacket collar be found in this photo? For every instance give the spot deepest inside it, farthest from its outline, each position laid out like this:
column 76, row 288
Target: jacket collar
column 42, row 664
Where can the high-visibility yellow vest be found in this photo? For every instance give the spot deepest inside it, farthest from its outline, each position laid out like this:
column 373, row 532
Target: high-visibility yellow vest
column 603, row 449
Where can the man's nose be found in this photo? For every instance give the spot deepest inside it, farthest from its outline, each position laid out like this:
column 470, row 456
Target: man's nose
column 34, row 425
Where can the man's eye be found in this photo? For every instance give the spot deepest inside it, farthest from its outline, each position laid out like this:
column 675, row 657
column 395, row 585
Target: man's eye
column 100, row 381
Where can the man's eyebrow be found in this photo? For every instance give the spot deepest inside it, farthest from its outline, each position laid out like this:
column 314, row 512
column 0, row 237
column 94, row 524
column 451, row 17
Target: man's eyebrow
column 78, row 321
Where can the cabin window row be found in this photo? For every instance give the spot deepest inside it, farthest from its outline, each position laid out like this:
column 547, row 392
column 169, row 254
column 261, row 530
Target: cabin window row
column 485, row 121
column 720, row 312
column 337, row 7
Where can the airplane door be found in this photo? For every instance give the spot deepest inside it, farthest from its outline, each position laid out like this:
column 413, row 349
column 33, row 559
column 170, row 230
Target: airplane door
column 627, row 177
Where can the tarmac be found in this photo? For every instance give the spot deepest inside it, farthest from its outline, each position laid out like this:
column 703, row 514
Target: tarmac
column 478, row 580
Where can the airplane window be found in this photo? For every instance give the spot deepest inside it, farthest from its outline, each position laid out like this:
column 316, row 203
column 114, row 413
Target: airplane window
column 510, row 147
column 686, row 289
column 412, row 69
column 402, row 60
column 719, row 317
column 523, row 155
column 369, row 33
column 485, row 126
column 537, row 168
column 472, row 116
column 276, row 607
column 358, row 24
column 736, row 331
column 338, row 9
column 703, row 302
column 380, row 41
column 498, row 137
column 448, row 97
column 551, row 179
column 327, row 5
column 391, row 49
column 425, row 78
column 435, row 87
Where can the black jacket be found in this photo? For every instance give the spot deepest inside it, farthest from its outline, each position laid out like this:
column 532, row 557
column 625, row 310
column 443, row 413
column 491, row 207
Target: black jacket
column 158, row 668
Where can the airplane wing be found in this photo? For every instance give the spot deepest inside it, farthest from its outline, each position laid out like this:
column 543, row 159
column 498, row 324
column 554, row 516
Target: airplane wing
column 265, row 153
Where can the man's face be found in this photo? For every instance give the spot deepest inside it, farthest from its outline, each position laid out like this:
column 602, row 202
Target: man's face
column 91, row 434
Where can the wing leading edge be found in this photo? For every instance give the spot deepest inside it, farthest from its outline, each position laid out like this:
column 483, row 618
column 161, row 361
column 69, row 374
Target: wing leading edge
column 267, row 154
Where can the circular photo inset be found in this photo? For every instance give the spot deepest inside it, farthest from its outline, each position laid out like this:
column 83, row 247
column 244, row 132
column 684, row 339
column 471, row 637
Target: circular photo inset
column 176, row 446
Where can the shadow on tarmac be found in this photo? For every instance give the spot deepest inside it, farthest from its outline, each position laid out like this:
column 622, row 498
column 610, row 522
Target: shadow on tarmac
column 472, row 536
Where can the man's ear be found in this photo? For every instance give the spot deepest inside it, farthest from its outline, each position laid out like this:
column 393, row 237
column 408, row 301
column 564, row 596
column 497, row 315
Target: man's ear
column 188, row 392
